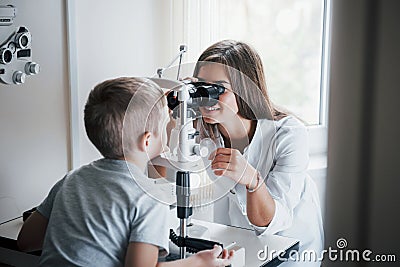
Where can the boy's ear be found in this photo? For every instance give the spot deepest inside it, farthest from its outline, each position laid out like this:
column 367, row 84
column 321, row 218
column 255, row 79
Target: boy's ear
column 144, row 141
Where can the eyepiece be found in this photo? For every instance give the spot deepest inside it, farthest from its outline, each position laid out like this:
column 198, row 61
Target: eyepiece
column 201, row 93
column 5, row 56
column 23, row 40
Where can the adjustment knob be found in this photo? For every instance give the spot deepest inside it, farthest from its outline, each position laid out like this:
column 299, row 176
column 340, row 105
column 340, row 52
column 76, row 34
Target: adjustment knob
column 32, row 68
column 19, row 77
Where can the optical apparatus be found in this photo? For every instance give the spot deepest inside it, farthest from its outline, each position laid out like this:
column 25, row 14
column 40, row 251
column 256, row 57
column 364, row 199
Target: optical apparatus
column 185, row 155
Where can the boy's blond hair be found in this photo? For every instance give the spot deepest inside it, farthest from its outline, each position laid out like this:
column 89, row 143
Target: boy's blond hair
column 119, row 111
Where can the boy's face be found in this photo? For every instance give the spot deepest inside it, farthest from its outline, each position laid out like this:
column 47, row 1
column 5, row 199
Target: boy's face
column 159, row 141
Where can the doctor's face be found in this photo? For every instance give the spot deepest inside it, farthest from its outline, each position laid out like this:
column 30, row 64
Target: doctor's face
column 226, row 109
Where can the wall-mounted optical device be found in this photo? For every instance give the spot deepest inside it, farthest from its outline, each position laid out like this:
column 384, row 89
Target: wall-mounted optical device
column 15, row 50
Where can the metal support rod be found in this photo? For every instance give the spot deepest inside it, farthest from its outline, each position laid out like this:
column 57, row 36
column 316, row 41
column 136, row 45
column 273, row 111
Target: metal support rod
column 182, row 49
column 182, row 233
column 183, row 135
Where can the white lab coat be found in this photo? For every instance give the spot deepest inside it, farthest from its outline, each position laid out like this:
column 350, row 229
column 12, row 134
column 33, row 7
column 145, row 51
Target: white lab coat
column 279, row 151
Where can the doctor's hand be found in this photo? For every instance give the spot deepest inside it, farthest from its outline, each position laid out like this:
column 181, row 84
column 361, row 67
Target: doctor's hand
column 231, row 163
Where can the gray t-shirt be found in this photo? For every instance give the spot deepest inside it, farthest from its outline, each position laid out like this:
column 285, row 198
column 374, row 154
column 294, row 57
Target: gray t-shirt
column 95, row 211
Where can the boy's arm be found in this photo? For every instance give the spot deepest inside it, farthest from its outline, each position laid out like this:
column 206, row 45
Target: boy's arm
column 31, row 236
column 141, row 254
column 146, row 255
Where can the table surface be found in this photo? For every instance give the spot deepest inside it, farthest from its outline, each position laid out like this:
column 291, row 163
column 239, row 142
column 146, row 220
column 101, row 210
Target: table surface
column 11, row 229
column 246, row 238
column 217, row 232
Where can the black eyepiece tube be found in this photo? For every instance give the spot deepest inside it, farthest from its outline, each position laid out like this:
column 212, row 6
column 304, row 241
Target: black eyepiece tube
column 184, row 210
column 201, row 93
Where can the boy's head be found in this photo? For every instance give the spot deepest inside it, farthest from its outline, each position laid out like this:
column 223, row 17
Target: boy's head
column 126, row 115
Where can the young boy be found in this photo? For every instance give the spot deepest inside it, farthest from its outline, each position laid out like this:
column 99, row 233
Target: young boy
column 97, row 215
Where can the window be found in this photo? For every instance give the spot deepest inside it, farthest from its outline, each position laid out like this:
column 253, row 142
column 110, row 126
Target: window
column 287, row 34
column 290, row 36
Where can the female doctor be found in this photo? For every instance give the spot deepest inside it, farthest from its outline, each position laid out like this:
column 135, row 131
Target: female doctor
column 262, row 149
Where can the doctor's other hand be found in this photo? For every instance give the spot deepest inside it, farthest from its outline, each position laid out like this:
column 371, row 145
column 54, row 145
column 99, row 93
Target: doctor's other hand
column 211, row 257
column 231, row 163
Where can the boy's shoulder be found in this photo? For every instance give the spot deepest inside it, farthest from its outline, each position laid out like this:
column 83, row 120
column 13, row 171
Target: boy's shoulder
column 118, row 179
column 119, row 174
column 106, row 166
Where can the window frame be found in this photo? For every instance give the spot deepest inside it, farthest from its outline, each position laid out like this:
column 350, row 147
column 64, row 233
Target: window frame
column 319, row 133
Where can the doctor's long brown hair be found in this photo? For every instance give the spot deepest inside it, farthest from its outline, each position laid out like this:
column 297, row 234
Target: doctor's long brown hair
column 246, row 74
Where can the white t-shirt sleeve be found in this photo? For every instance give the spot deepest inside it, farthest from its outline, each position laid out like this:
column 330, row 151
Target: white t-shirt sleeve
column 151, row 225
column 286, row 180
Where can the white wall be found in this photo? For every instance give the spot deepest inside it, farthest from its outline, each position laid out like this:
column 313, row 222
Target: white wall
column 124, row 38
column 33, row 116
